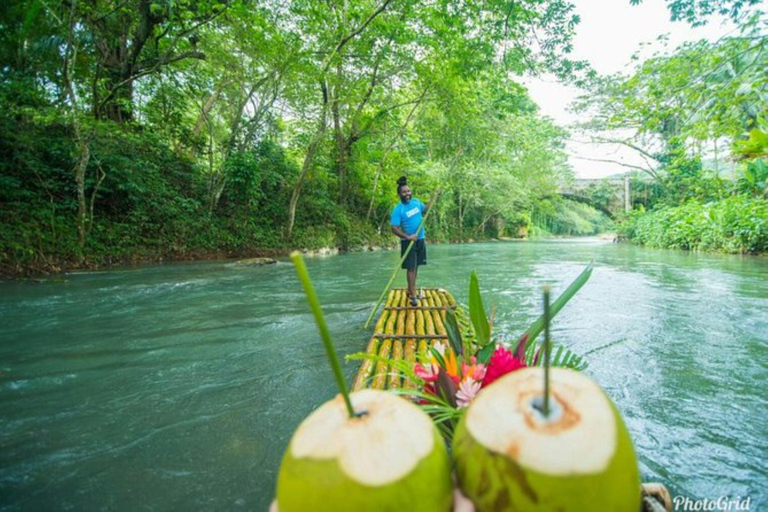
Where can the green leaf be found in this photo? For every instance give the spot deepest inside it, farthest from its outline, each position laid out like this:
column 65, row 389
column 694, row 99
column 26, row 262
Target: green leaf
column 535, row 329
column 438, row 357
column 453, row 332
column 485, row 353
column 477, row 312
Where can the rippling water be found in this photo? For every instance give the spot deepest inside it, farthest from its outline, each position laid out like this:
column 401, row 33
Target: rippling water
column 178, row 387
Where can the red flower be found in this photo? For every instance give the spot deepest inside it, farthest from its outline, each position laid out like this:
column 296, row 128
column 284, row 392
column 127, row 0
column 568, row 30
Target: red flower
column 502, row 362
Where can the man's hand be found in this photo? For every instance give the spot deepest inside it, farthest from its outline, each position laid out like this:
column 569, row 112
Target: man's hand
column 399, row 232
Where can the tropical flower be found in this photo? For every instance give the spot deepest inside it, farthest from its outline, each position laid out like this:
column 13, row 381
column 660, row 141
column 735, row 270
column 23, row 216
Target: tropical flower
column 449, row 358
column 427, row 373
column 467, row 391
column 502, row 362
column 474, row 370
column 445, row 375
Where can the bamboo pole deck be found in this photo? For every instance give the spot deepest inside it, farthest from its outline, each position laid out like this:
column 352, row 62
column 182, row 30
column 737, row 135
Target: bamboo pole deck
column 403, row 333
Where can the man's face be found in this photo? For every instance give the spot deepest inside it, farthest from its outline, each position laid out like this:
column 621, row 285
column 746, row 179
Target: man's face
column 405, row 194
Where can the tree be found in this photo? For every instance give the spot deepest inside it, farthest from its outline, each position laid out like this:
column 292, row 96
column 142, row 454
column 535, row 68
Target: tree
column 696, row 12
column 138, row 38
column 373, row 59
column 675, row 106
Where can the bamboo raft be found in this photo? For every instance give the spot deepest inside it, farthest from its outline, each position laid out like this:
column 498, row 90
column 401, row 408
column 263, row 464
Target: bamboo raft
column 401, row 333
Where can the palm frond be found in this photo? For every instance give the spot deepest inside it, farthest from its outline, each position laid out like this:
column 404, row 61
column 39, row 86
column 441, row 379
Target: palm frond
column 562, row 357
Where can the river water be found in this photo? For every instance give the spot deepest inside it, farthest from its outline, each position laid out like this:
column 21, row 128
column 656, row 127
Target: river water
column 178, row 387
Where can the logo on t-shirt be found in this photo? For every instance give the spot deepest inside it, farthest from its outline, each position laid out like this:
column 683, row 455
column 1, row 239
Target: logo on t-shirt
column 413, row 211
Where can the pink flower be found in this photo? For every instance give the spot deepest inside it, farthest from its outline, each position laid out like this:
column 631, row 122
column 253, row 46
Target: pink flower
column 502, row 362
column 474, row 370
column 467, row 391
column 428, row 373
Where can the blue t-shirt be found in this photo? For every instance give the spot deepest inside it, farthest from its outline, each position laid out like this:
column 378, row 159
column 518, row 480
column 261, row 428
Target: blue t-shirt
column 408, row 216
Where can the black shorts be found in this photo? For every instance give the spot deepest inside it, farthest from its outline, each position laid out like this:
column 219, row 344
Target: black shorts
column 418, row 254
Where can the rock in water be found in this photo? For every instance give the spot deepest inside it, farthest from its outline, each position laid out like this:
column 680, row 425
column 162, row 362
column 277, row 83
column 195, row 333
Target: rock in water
column 250, row 262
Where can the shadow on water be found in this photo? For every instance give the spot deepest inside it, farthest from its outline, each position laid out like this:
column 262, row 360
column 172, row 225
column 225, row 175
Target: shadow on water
column 178, row 387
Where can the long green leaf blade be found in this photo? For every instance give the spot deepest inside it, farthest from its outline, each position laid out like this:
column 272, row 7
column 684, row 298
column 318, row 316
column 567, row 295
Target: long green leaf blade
column 453, row 332
column 535, row 329
column 477, row 312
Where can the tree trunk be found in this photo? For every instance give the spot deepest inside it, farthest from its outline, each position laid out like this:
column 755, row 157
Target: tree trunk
column 84, row 156
column 375, row 184
column 118, row 107
column 308, row 158
column 339, row 137
column 204, row 112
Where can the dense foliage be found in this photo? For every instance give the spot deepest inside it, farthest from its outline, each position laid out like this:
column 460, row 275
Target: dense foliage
column 146, row 129
column 736, row 224
column 697, row 118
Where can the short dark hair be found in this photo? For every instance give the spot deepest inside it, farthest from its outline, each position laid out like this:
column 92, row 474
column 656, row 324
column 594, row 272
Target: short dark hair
column 401, row 182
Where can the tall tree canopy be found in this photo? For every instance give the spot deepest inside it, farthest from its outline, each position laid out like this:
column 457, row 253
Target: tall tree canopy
column 286, row 123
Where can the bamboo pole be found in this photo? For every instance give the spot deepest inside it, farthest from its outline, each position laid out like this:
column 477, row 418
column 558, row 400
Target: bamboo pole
column 435, row 298
column 394, row 372
column 382, row 319
column 410, row 322
column 439, row 326
column 400, row 322
column 429, row 323
column 420, row 322
column 435, row 301
column 443, row 302
column 380, row 376
column 423, row 347
column 410, row 357
column 389, row 328
column 365, row 369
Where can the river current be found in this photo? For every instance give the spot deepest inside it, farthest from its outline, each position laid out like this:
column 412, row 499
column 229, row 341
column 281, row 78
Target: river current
column 178, row 387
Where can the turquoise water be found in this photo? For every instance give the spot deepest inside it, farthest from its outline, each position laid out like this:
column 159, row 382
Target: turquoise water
column 178, row 387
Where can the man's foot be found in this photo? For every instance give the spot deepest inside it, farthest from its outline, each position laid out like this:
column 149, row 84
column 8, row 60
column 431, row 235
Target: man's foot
column 414, row 301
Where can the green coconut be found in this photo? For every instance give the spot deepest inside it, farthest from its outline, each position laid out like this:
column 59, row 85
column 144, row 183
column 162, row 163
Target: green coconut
column 579, row 458
column 390, row 458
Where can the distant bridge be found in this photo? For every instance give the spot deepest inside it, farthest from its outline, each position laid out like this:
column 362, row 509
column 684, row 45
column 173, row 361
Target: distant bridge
column 609, row 195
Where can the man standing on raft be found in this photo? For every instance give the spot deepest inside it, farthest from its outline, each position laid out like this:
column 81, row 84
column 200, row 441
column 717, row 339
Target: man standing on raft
column 406, row 219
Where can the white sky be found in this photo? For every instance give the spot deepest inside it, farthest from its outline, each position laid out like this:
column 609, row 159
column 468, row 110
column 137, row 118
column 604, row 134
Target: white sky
column 609, row 33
